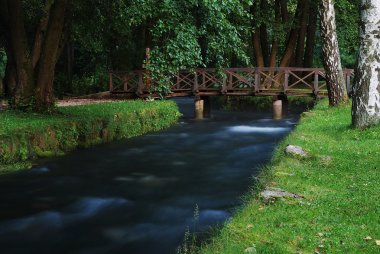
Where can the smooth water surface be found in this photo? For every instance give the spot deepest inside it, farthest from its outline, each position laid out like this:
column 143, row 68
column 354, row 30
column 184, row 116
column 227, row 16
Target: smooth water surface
column 138, row 195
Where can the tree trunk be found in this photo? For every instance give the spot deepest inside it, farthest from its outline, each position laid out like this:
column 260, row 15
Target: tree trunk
column 274, row 49
column 10, row 76
column 300, row 50
column 334, row 74
column 265, row 47
column 285, row 14
column 258, row 51
column 311, row 36
column 256, row 38
column 19, row 68
column 2, row 87
column 292, row 40
column 41, row 30
column 49, row 56
column 366, row 98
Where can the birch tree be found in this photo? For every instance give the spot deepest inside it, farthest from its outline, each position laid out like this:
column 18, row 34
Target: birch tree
column 336, row 86
column 366, row 100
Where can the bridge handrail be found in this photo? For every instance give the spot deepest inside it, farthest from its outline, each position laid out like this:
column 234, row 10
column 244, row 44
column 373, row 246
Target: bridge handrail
column 246, row 79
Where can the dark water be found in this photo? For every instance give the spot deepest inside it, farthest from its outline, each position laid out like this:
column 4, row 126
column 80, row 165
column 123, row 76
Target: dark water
column 138, row 195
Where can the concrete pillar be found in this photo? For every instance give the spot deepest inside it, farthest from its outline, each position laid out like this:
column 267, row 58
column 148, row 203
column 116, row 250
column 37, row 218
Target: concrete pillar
column 202, row 107
column 277, row 109
column 199, row 108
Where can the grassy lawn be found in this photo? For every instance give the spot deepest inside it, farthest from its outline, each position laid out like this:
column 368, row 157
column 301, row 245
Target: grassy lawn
column 24, row 136
column 340, row 212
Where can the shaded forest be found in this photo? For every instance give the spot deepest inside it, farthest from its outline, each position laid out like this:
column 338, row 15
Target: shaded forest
column 73, row 44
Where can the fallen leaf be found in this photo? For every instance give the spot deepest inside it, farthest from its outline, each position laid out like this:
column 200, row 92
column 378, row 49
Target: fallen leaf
column 378, row 242
column 320, row 234
column 249, row 226
column 367, row 238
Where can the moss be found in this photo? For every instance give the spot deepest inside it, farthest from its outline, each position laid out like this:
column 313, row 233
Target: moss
column 5, row 169
column 24, row 136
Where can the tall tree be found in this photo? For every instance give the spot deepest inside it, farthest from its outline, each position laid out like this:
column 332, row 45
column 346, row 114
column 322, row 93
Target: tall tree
column 334, row 74
column 366, row 99
column 311, row 35
column 30, row 69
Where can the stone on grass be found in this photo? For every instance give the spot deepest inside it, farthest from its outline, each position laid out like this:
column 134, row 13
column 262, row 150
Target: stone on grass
column 271, row 194
column 325, row 160
column 296, row 151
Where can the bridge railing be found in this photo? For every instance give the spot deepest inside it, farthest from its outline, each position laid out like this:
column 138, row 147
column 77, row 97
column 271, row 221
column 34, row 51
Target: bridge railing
column 230, row 81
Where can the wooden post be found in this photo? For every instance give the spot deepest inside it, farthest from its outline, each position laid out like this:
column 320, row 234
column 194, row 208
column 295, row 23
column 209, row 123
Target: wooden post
column 196, row 86
column 140, row 89
column 286, row 82
column 147, row 72
column 125, row 82
column 230, row 82
column 316, row 82
column 203, row 80
column 224, row 86
column 111, row 82
column 257, row 80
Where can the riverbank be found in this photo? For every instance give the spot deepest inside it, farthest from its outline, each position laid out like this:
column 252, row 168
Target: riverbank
column 27, row 136
column 339, row 184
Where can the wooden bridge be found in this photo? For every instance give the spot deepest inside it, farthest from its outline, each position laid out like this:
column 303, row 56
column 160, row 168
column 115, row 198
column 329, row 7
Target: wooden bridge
column 231, row 81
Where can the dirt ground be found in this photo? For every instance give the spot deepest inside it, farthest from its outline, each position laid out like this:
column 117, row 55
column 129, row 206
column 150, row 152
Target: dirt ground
column 84, row 100
column 75, row 102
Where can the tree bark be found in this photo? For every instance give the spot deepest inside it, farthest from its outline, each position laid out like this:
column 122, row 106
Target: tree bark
column 41, row 30
column 300, row 50
column 311, row 36
column 292, row 39
column 19, row 68
column 256, row 38
column 366, row 97
column 265, row 47
column 49, row 56
column 10, row 76
column 274, row 49
column 336, row 85
column 285, row 14
column 258, row 51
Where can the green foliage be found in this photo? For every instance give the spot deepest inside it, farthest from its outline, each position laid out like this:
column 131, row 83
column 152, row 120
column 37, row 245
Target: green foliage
column 181, row 34
column 339, row 183
column 3, row 62
column 29, row 135
column 348, row 20
column 179, row 30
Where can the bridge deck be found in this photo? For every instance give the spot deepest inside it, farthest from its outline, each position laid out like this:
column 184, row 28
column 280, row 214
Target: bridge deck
column 231, row 81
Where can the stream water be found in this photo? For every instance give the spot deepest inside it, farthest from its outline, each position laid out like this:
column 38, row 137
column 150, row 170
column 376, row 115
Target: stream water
column 139, row 195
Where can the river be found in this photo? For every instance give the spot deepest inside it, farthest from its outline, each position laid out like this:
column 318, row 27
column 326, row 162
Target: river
column 139, row 195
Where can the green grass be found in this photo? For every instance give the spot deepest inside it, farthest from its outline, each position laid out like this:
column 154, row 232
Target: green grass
column 24, row 136
column 342, row 196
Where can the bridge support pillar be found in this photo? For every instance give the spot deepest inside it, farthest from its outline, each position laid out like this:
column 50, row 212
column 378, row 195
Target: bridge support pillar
column 202, row 107
column 277, row 109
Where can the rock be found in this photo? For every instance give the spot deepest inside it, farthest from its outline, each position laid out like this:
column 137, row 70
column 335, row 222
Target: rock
column 296, row 151
column 271, row 194
column 326, row 160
